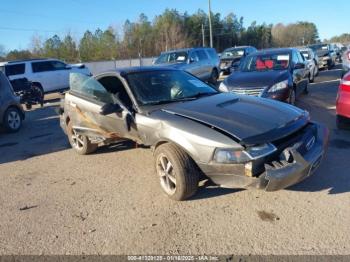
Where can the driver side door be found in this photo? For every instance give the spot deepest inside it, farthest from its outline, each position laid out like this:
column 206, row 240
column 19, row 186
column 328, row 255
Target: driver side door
column 85, row 100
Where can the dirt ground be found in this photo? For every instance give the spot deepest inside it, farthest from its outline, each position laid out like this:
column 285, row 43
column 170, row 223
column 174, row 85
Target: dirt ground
column 54, row 201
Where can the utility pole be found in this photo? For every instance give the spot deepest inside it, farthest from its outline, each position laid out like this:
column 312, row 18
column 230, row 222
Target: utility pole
column 203, row 36
column 210, row 27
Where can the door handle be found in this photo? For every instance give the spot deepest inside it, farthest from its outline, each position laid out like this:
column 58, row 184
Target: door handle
column 73, row 104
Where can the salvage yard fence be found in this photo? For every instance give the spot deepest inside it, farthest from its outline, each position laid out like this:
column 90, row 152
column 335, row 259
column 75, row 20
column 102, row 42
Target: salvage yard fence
column 103, row 66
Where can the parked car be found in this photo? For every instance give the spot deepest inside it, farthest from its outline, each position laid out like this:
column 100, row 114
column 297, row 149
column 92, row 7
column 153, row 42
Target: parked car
column 346, row 60
column 279, row 74
column 326, row 55
column 231, row 58
column 343, row 103
column 311, row 61
column 11, row 112
column 47, row 75
column 236, row 141
column 200, row 62
column 337, row 49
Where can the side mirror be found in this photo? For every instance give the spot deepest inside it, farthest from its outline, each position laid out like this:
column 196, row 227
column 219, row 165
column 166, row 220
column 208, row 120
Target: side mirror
column 110, row 108
column 191, row 60
column 299, row 66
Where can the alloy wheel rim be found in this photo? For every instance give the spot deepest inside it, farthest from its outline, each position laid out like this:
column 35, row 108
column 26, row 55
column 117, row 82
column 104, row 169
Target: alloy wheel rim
column 165, row 170
column 77, row 140
column 14, row 120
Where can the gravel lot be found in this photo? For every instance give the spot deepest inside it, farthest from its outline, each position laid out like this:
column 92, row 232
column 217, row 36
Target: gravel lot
column 54, row 201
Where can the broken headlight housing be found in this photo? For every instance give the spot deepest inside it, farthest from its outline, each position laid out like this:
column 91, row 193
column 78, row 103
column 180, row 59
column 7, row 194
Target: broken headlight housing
column 234, row 156
column 279, row 86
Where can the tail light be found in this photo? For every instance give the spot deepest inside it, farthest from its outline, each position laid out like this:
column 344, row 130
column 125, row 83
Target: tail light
column 345, row 83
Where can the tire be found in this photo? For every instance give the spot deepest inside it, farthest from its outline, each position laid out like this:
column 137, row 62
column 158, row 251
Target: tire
column 12, row 120
column 214, row 76
column 312, row 77
column 179, row 175
column 292, row 97
column 80, row 143
column 342, row 123
column 306, row 90
column 40, row 91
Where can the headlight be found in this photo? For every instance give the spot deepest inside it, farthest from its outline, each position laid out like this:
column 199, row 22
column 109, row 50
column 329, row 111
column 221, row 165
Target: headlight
column 279, row 86
column 233, row 156
column 223, row 87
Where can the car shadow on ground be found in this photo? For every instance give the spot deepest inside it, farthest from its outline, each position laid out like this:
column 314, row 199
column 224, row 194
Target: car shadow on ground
column 333, row 174
column 40, row 134
column 207, row 189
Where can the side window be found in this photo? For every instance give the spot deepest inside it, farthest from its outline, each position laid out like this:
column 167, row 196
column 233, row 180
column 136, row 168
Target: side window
column 202, row 55
column 295, row 58
column 57, row 65
column 42, row 67
column 194, row 57
column 301, row 59
column 17, row 69
column 212, row 53
column 90, row 88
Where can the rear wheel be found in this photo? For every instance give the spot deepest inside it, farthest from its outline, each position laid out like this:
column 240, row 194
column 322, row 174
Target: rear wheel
column 12, row 119
column 80, row 143
column 38, row 92
column 178, row 174
column 342, row 123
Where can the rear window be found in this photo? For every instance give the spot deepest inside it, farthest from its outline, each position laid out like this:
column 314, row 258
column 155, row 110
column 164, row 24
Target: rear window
column 42, row 67
column 202, row 55
column 17, row 69
column 266, row 62
column 212, row 53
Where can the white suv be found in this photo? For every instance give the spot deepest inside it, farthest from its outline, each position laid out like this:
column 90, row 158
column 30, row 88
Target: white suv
column 49, row 75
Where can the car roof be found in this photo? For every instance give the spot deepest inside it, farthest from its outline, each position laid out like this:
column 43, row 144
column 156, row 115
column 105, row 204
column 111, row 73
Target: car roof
column 239, row 47
column 274, row 51
column 137, row 69
column 186, row 49
column 26, row 60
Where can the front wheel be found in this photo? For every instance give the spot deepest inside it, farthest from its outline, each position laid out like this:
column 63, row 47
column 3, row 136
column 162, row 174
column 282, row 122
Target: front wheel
column 178, row 174
column 80, row 143
column 12, row 119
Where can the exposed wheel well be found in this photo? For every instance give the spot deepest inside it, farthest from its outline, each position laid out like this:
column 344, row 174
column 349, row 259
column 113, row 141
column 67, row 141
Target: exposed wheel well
column 67, row 120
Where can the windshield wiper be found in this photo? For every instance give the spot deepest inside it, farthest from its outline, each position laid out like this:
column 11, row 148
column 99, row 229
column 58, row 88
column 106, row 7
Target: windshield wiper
column 188, row 98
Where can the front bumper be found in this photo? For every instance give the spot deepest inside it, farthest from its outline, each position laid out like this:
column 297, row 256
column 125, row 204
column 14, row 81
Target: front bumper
column 324, row 63
column 274, row 177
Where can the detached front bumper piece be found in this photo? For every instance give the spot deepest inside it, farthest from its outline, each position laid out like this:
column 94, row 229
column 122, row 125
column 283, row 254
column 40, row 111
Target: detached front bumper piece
column 278, row 174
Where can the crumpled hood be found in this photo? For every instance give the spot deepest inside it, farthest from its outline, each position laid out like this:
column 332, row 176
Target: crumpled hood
column 250, row 120
column 255, row 79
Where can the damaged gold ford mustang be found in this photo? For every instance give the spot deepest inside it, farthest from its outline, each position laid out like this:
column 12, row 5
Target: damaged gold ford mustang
column 236, row 141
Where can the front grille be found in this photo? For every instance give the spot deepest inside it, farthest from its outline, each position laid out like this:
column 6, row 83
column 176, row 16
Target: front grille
column 255, row 91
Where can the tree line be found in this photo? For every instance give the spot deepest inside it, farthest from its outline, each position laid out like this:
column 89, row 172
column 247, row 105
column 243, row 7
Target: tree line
column 169, row 30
